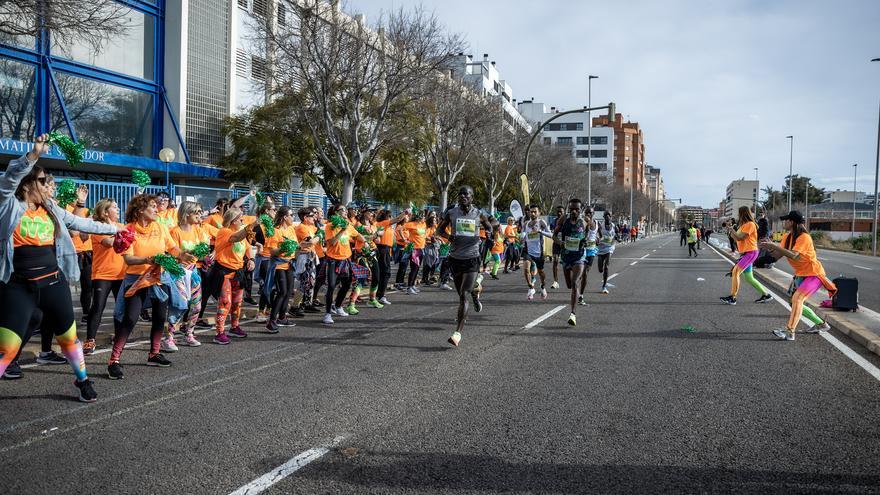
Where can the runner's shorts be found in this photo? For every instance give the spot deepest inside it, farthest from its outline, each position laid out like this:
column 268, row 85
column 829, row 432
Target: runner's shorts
column 537, row 260
column 461, row 266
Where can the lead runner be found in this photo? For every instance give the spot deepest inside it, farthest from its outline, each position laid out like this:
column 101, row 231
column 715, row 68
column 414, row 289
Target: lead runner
column 464, row 253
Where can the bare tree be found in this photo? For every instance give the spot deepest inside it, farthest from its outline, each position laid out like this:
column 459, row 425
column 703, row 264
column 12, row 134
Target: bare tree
column 555, row 176
column 355, row 79
column 498, row 156
column 92, row 22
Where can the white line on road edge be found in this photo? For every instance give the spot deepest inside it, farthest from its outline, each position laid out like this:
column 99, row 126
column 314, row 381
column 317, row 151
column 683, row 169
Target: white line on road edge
column 543, row 317
column 633, row 263
column 851, row 354
column 645, row 256
column 612, row 275
column 863, row 267
column 283, row 471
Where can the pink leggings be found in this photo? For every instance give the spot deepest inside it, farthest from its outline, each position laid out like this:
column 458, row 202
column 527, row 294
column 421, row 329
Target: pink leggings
column 807, row 288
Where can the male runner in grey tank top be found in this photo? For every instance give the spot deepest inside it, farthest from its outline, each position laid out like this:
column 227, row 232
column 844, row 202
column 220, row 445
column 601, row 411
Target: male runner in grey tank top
column 464, row 221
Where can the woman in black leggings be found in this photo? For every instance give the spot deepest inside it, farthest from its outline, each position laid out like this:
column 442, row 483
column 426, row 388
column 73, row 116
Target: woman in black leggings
column 108, row 270
column 337, row 258
column 282, row 280
column 36, row 261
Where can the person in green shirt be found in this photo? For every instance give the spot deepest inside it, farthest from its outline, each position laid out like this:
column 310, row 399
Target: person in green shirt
column 692, row 240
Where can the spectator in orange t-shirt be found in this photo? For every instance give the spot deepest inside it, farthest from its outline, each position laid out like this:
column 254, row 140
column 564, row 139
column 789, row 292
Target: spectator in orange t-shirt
column 108, row 270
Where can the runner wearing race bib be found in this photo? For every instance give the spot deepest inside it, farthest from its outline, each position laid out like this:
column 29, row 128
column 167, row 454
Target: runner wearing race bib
column 534, row 232
column 570, row 235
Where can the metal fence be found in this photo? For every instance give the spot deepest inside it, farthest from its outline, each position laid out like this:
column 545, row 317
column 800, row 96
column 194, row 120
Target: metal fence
column 119, row 191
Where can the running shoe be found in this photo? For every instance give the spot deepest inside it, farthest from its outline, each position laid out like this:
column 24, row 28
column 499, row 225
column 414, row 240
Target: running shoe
column 191, row 341
column 51, row 357
column 328, row 319
column 764, row 298
column 604, row 289
column 544, row 294
column 339, row 312
column 202, row 323
column 446, row 286
column 385, row 301
column 311, row 309
column 115, row 372
column 285, row 323
column 572, row 319
column 237, row 332
column 729, row 300
column 262, row 317
column 455, row 339
column 297, row 312
column 221, row 338
column 494, row 277
column 418, row 291
column 168, row 345
column 84, row 320
column 89, row 347
column 478, row 306
column 783, row 334
column 13, row 371
column 271, row 327
column 375, row 304
column 822, row 327
column 145, row 315
column 554, row 285
column 530, row 294
column 86, row 392
column 581, row 301
column 250, row 300
column 158, row 360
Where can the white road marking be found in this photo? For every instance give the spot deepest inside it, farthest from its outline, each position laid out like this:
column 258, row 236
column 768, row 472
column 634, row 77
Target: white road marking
column 843, row 348
column 633, row 263
column 701, row 279
column 283, row 471
column 863, row 267
column 821, row 258
column 612, row 275
column 645, row 256
column 543, row 317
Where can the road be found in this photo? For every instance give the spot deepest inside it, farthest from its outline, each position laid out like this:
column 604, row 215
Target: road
column 625, row 402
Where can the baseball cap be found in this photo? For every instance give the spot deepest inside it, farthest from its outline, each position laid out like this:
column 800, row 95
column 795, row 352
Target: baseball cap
column 794, row 215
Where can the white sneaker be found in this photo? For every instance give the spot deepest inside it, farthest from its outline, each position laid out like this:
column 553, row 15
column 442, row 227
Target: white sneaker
column 446, row 286
column 783, row 334
column 385, row 301
column 167, row 345
column 262, row 317
column 604, row 290
column 543, row 293
column 328, row 319
column 823, row 327
column 530, row 294
column 554, row 285
column 411, row 291
column 341, row 312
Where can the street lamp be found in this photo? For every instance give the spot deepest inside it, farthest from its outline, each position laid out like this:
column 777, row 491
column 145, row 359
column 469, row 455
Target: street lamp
column 876, row 173
column 757, row 190
column 790, row 160
column 167, row 156
column 807, row 202
column 855, row 174
column 590, row 140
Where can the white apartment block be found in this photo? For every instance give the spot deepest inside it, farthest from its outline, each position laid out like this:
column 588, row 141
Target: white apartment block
column 740, row 193
column 483, row 77
column 838, row 196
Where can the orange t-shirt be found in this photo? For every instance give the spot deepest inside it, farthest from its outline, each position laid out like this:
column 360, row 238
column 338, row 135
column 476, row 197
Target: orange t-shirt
column 482, row 233
column 510, row 233
column 229, row 254
column 168, row 218
column 386, row 233
column 498, row 244
column 400, row 235
column 34, row 229
column 78, row 243
column 430, row 234
column 342, row 249
column 807, row 265
column 187, row 240
column 107, row 264
column 417, row 233
column 148, row 241
column 274, row 242
column 750, row 243
column 305, row 231
column 359, row 244
column 267, row 251
column 215, row 220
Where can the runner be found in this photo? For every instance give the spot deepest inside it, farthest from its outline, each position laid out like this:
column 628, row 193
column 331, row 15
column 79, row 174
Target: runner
column 607, row 236
column 464, row 222
column 692, row 240
column 591, row 249
column 108, row 270
column 557, row 249
column 188, row 233
column 747, row 244
column 38, row 259
column 570, row 233
column 534, row 231
column 809, row 274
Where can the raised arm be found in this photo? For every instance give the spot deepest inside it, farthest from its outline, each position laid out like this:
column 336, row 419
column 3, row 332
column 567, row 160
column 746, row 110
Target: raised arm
column 20, row 167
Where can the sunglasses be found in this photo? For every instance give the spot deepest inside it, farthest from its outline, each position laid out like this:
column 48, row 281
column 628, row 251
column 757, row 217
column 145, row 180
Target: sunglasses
column 43, row 180
column 197, row 212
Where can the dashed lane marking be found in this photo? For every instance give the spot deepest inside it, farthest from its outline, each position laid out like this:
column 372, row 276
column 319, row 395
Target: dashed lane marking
column 283, row 471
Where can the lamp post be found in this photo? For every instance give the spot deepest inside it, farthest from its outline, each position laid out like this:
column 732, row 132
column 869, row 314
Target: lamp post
column 807, row 202
column 855, row 174
column 790, row 160
column 876, row 174
column 757, row 191
column 590, row 140
column 167, row 156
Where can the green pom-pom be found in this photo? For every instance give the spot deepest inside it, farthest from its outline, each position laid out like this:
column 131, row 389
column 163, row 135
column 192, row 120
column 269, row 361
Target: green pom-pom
column 140, row 178
column 409, row 248
column 66, row 193
column 444, row 249
column 268, row 224
column 72, row 151
column 321, row 234
column 367, row 251
column 261, row 198
column 338, row 222
column 363, row 230
column 170, row 264
column 288, row 247
column 201, row 251
column 497, row 216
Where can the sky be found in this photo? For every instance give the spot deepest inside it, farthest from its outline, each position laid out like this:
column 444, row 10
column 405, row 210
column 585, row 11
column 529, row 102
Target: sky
column 715, row 85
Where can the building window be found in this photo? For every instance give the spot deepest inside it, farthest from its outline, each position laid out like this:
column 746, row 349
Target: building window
column 258, row 68
column 568, row 126
column 243, row 4
column 563, row 141
column 599, row 139
column 582, row 140
column 599, row 153
column 105, row 116
column 282, row 14
column 130, row 53
column 241, row 63
column 261, row 8
column 599, row 167
column 17, row 86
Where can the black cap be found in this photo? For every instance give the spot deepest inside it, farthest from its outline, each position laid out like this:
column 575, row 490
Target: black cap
column 794, row 215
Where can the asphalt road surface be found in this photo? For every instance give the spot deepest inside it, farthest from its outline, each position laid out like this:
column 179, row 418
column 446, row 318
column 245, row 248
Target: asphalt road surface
column 628, row 401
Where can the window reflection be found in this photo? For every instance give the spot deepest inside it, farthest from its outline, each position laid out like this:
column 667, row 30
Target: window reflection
column 17, row 97
column 130, row 54
column 105, row 117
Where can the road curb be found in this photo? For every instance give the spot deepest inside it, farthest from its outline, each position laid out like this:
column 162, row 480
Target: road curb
column 863, row 326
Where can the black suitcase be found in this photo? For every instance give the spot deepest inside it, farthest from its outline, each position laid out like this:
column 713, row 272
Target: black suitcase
column 847, row 296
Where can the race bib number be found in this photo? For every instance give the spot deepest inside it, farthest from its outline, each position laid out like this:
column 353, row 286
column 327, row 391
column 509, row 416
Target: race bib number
column 573, row 243
column 534, row 235
column 607, row 239
column 590, row 244
column 465, row 227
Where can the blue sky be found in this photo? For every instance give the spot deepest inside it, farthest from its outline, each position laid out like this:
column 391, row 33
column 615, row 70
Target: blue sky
column 715, row 85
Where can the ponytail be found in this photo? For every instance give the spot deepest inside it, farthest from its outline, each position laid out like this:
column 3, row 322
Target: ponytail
column 797, row 231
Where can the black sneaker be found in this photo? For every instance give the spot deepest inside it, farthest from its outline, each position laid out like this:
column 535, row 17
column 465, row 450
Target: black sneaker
column 13, row 371
column 764, row 298
column 145, row 315
column 729, row 300
column 271, row 327
column 158, row 360
column 203, row 324
column 297, row 312
column 86, row 392
column 84, row 320
column 50, row 357
column 478, row 306
column 250, row 300
column 285, row 323
column 311, row 309
column 114, row 371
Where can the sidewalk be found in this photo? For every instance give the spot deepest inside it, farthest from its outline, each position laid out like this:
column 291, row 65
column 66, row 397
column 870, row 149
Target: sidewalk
column 863, row 326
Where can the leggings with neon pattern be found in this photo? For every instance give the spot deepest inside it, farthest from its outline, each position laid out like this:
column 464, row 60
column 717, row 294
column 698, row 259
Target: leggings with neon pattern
column 191, row 316
column 744, row 267
column 806, row 287
column 231, row 295
column 18, row 300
